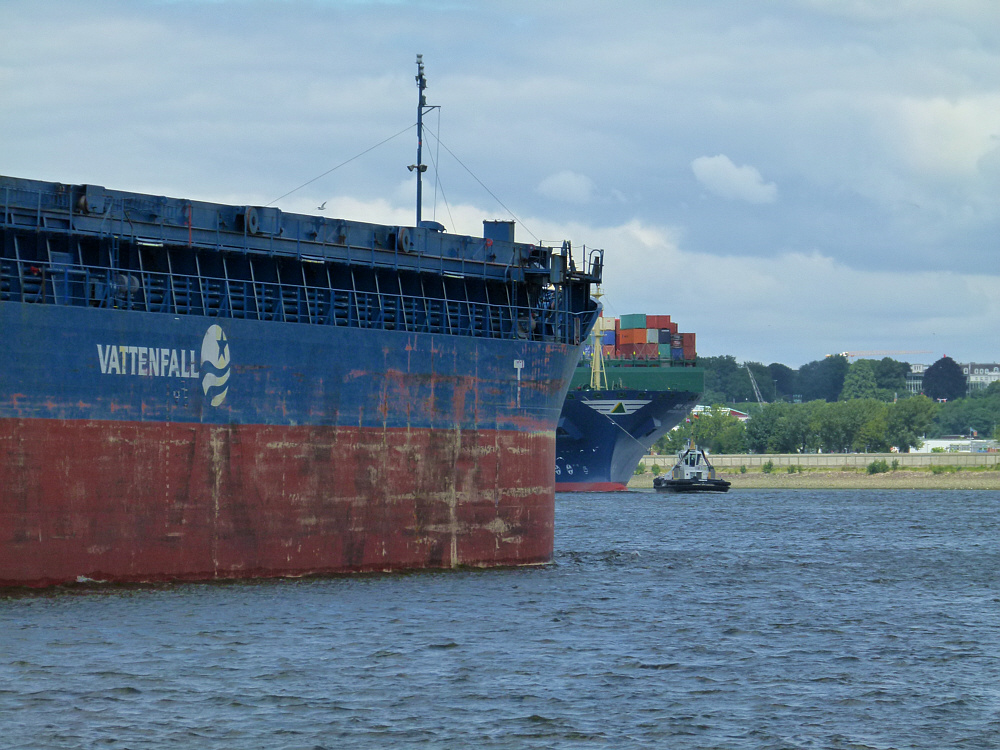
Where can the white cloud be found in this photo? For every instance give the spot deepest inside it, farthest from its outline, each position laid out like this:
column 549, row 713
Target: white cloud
column 878, row 118
column 795, row 308
column 944, row 137
column 567, row 186
column 719, row 175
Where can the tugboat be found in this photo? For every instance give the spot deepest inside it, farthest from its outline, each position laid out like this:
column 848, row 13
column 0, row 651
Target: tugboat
column 693, row 472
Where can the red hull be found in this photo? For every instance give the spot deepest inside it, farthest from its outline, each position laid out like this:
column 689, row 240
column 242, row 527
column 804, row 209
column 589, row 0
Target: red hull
column 128, row 501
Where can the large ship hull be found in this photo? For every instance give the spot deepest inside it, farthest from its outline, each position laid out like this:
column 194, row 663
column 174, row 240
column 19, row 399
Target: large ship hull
column 602, row 435
column 406, row 452
column 298, row 429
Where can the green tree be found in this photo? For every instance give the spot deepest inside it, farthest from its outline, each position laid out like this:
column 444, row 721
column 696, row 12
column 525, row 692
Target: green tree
column 823, row 379
column 718, row 431
column 725, row 381
column 798, row 430
column 834, row 432
column 868, row 420
column 714, row 429
column 944, row 380
column 908, row 421
column 785, row 380
column 979, row 413
column 860, row 381
column 762, row 427
column 890, row 375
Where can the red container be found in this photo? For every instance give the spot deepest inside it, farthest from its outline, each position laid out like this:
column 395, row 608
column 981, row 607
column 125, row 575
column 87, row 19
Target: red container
column 688, row 344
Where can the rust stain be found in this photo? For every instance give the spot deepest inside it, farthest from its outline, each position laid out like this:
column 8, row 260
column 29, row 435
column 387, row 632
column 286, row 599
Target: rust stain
column 197, row 501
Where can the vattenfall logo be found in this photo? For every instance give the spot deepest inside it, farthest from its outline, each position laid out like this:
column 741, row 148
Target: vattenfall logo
column 215, row 365
column 161, row 362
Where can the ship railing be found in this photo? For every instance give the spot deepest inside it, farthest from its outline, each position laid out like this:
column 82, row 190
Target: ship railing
column 41, row 282
column 137, row 219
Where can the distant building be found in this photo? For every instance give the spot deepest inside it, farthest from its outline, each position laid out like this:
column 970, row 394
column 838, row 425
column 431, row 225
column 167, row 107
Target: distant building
column 915, row 378
column 978, row 376
column 740, row 415
column 956, row 444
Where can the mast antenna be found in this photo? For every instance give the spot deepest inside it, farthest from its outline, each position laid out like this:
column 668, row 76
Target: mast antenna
column 422, row 107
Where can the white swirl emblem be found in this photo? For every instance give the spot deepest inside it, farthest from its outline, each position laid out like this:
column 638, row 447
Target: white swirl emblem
column 215, row 365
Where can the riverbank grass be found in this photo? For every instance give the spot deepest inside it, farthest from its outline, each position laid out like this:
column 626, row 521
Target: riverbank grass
column 798, row 477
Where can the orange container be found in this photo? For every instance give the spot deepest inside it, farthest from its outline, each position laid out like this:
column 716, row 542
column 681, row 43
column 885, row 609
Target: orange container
column 629, row 336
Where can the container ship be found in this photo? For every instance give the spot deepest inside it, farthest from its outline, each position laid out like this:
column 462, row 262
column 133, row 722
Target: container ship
column 636, row 381
column 195, row 391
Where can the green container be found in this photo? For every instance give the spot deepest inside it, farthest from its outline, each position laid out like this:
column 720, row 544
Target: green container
column 636, row 320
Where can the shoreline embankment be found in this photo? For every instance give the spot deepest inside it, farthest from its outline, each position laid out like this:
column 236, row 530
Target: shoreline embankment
column 912, row 471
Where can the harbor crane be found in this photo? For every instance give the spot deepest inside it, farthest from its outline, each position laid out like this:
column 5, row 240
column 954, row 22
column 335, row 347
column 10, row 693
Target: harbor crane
column 753, row 382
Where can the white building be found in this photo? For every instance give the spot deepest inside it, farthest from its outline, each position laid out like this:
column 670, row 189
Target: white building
column 915, row 378
column 978, row 376
column 956, row 444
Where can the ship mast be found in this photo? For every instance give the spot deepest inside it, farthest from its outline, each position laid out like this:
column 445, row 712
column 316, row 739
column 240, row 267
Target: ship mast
column 420, row 167
column 598, row 378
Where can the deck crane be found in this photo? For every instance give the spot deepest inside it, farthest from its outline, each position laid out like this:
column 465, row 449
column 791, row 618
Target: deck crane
column 598, row 376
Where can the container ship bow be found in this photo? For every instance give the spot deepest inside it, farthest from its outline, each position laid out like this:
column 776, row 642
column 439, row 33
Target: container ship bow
column 194, row 391
column 636, row 382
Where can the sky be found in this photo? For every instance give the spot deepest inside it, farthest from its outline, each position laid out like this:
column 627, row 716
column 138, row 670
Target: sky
column 785, row 178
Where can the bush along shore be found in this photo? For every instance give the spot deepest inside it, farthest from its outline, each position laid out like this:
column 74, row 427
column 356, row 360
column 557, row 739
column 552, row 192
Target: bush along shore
column 878, row 474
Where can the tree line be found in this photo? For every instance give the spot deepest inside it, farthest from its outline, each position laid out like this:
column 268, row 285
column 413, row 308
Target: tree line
column 835, row 407
column 828, row 379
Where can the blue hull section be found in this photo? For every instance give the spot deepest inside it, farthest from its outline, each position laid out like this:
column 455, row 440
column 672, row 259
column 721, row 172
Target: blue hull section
column 80, row 363
column 602, row 435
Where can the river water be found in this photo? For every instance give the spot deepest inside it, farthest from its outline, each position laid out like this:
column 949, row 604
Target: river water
column 757, row 619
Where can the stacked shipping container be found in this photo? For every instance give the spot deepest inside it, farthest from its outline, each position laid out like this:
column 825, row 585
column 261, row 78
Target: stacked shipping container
column 639, row 336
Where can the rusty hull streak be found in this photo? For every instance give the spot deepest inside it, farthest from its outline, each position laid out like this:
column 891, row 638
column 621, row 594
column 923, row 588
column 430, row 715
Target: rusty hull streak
column 150, row 502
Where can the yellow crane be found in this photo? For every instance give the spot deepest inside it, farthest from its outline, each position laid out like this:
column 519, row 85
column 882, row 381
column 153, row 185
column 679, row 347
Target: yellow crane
column 855, row 355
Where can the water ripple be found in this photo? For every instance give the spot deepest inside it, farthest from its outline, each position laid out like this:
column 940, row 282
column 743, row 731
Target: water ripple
column 760, row 620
